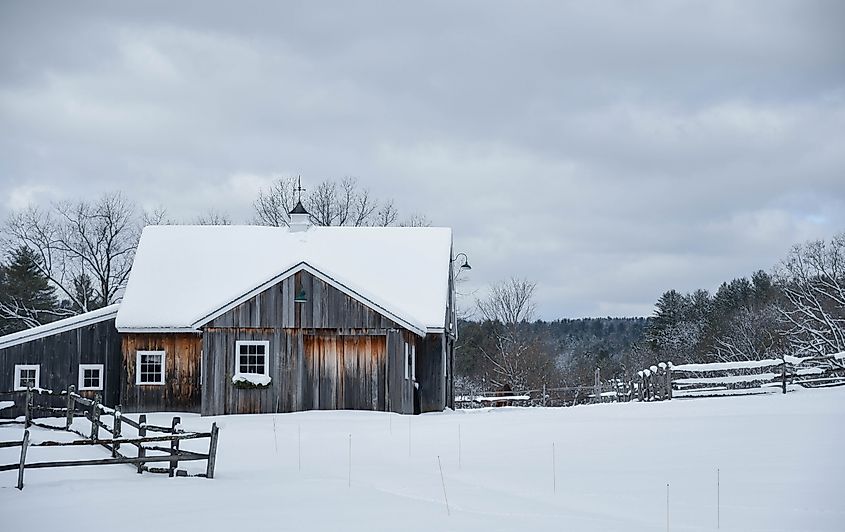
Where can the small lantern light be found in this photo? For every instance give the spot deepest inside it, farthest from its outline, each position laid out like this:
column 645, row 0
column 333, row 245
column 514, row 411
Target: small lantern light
column 300, row 297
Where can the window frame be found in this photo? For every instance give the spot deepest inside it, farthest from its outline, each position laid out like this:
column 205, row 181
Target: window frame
column 100, row 370
column 414, row 361
column 138, row 354
column 266, row 355
column 19, row 368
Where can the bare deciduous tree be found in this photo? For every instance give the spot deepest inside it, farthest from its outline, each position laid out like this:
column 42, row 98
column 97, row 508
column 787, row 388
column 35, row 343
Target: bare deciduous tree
column 330, row 203
column 515, row 357
column 213, row 217
column 752, row 334
column 78, row 241
column 812, row 279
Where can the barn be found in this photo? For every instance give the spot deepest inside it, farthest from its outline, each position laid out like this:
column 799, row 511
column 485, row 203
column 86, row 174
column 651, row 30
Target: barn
column 83, row 351
column 249, row 319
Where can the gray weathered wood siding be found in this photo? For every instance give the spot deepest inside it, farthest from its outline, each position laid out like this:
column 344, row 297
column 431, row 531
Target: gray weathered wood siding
column 59, row 356
column 181, row 389
column 330, row 352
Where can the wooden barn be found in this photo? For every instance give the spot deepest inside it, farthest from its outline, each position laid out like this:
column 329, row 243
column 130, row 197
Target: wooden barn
column 247, row 319
column 83, row 351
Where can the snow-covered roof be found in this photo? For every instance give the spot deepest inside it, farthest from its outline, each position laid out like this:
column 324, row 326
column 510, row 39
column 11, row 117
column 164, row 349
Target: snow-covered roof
column 184, row 276
column 67, row 324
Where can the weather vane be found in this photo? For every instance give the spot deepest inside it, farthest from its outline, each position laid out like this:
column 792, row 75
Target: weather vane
column 299, row 190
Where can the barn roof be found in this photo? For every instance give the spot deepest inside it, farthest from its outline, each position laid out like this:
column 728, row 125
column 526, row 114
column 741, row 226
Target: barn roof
column 184, row 276
column 67, row 324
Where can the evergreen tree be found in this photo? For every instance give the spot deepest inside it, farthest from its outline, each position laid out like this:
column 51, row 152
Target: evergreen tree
column 26, row 297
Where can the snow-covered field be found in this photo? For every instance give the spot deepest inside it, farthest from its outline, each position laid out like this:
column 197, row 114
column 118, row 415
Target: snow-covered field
column 780, row 457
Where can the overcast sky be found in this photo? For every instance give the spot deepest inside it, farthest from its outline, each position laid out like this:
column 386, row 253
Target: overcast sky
column 607, row 150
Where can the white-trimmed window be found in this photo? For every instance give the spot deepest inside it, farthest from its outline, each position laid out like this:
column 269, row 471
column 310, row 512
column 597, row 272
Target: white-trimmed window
column 27, row 376
column 413, row 362
column 252, row 357
column 90, row 377
column 149, row 367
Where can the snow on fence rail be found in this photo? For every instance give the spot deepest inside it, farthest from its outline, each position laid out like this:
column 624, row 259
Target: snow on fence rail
column 94, row 412
column 665, row 380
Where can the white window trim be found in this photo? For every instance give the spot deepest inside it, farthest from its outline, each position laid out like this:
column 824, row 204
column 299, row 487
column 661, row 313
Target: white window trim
column 82, row 368
column 138, row 366
column 19, row 367
column 414, row 362
column 265, row 343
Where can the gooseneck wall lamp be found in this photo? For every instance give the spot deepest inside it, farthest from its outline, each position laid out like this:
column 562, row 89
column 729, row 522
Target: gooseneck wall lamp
column 465, row 265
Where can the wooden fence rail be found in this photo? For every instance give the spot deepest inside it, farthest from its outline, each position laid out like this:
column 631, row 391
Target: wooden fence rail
column 665, row 380
column 94, row 412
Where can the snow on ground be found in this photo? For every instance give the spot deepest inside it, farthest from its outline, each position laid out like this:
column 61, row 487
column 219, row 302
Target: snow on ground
column 780, row 459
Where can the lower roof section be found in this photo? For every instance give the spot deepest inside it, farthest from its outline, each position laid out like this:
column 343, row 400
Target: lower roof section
column 60, row 326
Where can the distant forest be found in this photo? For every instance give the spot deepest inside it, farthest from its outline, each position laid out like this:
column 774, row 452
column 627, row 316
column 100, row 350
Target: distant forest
column 575, row 348
column 797, row 309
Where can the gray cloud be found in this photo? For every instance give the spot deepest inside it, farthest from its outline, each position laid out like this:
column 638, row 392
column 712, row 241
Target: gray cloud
column 608, row 151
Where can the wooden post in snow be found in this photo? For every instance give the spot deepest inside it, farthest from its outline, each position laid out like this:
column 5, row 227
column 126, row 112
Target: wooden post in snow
column 27, row 408
column 174, row 448
column 597, row 385
column 21, row 465
column 117, row 429
column 142, row 422
column 71, row 405
column 212, row 451
column 95, row 418
column 783, row 375
column 669, row 380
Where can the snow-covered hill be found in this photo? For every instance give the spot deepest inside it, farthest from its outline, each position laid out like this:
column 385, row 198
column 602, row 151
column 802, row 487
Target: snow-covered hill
column 780, row 460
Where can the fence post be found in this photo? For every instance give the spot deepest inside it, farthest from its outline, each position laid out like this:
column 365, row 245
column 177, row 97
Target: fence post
column 24, row 446
column 544, row 395
column 27, row 408
column 661, row 383
column 116, row 434
column 142, row 422
column 212, row 451
column 71, row 404
column 174, row 448
column 597, row 385
column 95, row 418
column 783, row 375
column 669, row 381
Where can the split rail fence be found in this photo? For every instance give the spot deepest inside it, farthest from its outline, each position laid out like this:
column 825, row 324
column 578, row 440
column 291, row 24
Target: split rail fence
column 161, row 442
column 614, row 390
column 666, row 381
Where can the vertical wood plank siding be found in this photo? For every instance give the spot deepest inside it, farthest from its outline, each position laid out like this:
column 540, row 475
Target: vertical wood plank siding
column 181, row 388
column 330, row 352
column 59, row 356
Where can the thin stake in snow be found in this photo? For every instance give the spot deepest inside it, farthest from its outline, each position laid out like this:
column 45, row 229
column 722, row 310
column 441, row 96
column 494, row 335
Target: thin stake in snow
column 349, row 483
column 443, row 483
column 554, row 472
column 718, row 500
column 667, row 507
column 275, row 437
column 459, row 445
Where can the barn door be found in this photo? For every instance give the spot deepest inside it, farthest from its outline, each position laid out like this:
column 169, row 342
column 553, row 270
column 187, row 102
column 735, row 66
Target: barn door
column 345, row 372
